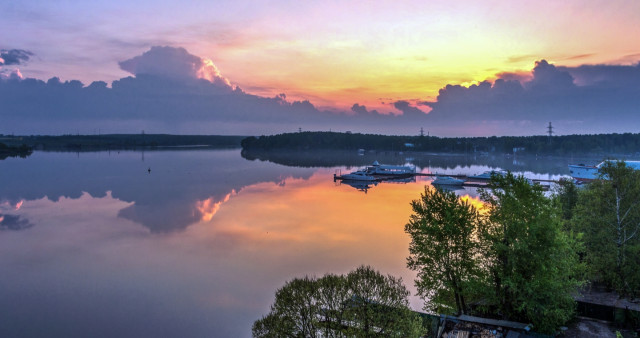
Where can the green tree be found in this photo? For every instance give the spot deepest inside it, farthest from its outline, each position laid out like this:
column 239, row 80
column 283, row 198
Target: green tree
column 566, row 194
column 531, row 262
column 363, row 303
column 444, row 250
column 608, row 215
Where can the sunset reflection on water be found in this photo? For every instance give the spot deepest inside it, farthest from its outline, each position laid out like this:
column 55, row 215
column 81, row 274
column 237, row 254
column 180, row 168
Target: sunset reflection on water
column 196, row 248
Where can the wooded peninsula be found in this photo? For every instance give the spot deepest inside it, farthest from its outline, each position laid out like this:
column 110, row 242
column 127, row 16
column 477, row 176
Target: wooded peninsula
column 602, row 144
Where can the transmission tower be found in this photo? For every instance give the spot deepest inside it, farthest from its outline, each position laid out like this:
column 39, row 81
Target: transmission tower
column 421, row 132
column 550, row 131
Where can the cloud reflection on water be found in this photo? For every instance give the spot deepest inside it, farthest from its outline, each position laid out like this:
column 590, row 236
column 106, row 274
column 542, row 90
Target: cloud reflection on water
column 100, row 264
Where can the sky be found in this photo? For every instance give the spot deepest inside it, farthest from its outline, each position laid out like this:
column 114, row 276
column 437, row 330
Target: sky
column 454, row 68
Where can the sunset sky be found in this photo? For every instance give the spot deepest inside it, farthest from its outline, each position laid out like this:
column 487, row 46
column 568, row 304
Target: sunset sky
column 387, row 56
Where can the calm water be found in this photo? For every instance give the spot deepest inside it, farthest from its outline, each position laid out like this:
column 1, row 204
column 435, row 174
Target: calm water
column 93, row 245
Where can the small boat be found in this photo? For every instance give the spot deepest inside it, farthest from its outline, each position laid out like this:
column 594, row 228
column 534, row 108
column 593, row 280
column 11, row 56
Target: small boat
column 447, row 180
column 359, row 175
column 586, row 173
column 487, row 175
column 389, row 170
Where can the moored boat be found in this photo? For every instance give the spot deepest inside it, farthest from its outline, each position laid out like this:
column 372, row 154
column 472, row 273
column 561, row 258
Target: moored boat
column 447, row 180
column 487, row 175
column 586, row 173
column 359, row 175
column 389, row 170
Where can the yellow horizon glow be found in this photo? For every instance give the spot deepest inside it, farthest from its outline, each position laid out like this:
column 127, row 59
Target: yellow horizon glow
column 339, row 54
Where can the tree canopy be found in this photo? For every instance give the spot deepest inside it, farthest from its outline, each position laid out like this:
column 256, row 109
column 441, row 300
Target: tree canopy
column 363, row 303
column 444, row 249
column 512, row 261
column 532, row 264
column 607, row 213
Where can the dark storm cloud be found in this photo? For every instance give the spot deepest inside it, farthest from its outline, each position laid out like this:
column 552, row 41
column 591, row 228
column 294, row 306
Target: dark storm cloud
column 14, row 56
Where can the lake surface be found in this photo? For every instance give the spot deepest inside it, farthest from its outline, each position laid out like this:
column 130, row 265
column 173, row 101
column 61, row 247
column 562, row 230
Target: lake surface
column 94, row 245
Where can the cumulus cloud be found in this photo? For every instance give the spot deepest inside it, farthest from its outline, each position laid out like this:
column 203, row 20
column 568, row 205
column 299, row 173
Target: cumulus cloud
column 13, row 74
column 361, row 109
column 14, row 56
column 601, row 98
column 174, row 63
column 605, row 75
column 547, row 77
column 407, row 109
column 174, row 91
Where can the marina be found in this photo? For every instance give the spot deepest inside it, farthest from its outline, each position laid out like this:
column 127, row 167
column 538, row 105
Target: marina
column 364, row 179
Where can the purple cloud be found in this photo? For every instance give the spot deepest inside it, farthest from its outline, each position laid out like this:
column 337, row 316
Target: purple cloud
column 173, row 63
column 14, row 56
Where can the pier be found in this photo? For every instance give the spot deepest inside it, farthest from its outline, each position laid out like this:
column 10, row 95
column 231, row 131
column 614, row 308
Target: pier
column 469, row 182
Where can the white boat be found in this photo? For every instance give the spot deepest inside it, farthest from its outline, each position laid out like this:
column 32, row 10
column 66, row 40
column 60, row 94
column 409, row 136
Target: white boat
column 359, row 175
column 447, row 180
column 389, row 170
column 487, row 175
column 586, row 173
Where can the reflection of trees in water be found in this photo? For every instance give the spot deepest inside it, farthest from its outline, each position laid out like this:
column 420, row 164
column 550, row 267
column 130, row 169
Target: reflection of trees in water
column 165, row 200
column 348, row 158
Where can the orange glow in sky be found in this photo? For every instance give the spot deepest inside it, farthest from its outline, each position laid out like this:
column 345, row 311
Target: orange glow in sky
column 332, row 53
column 342, row 53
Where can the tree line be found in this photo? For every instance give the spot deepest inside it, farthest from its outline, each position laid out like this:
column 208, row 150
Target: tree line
column 522, row 256
column 602, row 144
column 120, row 141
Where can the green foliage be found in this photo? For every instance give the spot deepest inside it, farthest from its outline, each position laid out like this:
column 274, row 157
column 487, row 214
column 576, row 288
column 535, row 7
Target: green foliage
column 444, row 250
column 566, row 195
column 364, row 303
column 608, row 215
column 532, row 263
column 515, row 258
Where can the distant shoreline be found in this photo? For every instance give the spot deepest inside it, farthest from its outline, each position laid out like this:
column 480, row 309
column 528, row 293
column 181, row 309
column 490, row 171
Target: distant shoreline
column 605, row 145
column 120, row 142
